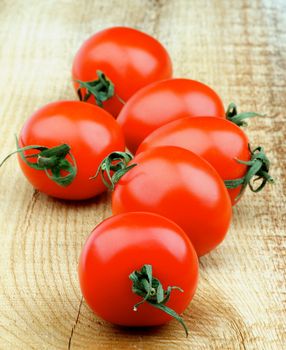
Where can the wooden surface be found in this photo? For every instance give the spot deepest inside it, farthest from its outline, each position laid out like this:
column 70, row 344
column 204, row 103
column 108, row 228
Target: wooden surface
column 237, row 47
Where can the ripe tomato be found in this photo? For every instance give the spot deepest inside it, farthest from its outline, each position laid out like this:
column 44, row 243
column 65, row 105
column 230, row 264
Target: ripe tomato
column 217, row 140
column 141, row 239
column 179, row 185
column 165, row 101
column 91, row 134
column 129, row 58
column 223, row 144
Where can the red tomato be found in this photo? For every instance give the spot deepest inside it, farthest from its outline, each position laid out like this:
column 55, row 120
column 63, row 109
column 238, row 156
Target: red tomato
column 89, row 131
column 124, row 243
column 217, row 140
column 129, row 58
column 165, row 101
column 181, row 186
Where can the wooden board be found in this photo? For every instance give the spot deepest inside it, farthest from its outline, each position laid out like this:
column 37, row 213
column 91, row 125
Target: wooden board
column 237, row 47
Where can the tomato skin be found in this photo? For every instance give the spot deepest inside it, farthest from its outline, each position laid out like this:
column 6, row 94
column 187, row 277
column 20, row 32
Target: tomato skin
column 129, row 58
column 92, row 134
column 165, row 101
column 141, row 238
column 181, row 186
column 217, row 140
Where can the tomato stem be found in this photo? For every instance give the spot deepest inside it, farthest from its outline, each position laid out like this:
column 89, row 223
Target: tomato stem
column 102, row 89
column 51, row 160
column 238, row 118
column 114, row 166
column 152, row 292
column 258, row 169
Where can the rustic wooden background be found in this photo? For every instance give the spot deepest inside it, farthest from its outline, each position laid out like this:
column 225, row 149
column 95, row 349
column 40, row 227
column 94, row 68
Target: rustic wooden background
column 237, row 47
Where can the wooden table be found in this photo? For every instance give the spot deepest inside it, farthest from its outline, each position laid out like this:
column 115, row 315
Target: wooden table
column 237, row 47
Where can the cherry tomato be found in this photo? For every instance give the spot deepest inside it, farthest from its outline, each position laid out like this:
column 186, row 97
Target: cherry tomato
column 217, row 140
column 181, row 186
column 91, row 134
column 165, row 101
column 129, row 58
column 125, row 243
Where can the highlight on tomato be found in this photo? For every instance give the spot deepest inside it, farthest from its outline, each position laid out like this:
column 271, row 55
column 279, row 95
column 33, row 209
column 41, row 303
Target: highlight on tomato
column 61, row 143
column 169, row 100
column 147, row 278
column 116, row 62
column 175, row 183
column 223, row 144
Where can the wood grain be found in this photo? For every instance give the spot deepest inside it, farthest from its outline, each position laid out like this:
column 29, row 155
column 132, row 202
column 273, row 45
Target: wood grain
column 239, row 48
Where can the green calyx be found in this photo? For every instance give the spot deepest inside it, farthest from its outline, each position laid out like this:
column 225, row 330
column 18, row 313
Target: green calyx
column 152, row 292
column 114, row 166
column 239, row 118
column 51, row 160
column 102, row 89
column 258, row 169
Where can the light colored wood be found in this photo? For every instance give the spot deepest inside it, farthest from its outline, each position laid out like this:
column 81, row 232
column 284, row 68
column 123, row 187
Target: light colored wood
column 239, row 48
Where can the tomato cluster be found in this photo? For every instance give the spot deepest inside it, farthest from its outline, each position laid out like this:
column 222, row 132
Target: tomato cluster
column 172, row 201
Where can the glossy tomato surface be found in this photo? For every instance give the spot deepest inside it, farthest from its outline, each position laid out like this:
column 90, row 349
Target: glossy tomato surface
column 217, row 140
column 129, row 58
column 181, row 186
column 163, row 102
column 92, row 134
column 124, row 243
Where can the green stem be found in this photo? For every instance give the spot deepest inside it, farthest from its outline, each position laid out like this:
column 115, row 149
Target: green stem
column 51, row 160
column 102, row 89
column 238, row 118
column 258, row 169
column 114, row 166
column 152, row 292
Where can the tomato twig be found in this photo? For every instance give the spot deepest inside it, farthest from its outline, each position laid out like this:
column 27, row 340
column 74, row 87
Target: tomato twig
column 51, row 160
column 102, row 89
column 239, row 118
column 258, row 169
column 151, row 289
column 114, row 166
